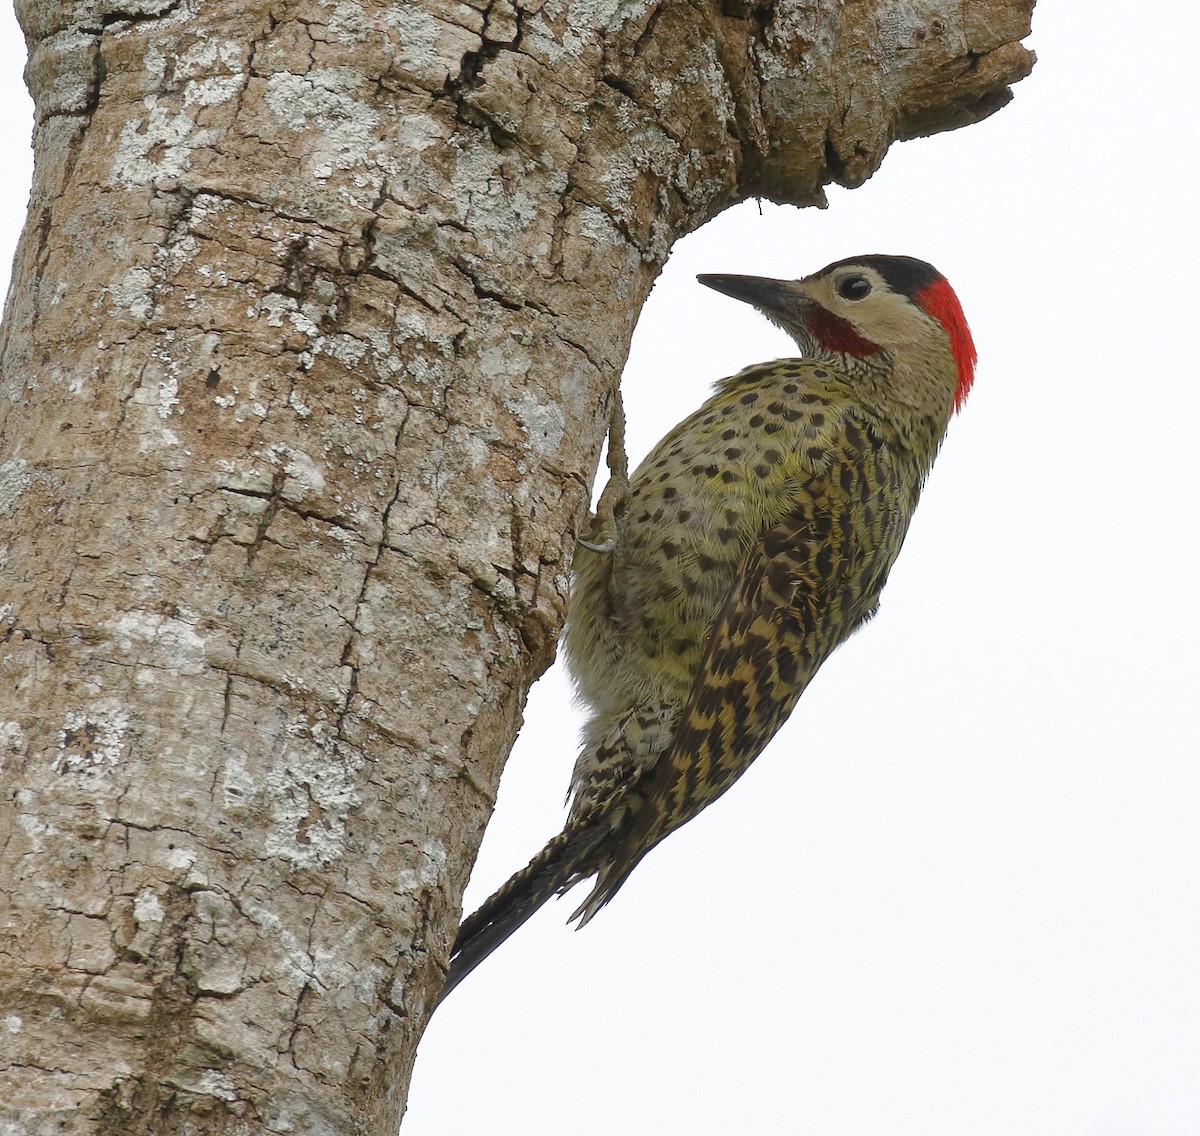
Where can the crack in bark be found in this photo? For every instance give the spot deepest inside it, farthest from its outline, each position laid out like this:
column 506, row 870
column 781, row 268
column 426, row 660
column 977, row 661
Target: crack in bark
column 351, row 639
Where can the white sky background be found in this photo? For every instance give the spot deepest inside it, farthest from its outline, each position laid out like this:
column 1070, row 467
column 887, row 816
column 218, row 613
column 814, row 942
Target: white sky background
column 959, row 895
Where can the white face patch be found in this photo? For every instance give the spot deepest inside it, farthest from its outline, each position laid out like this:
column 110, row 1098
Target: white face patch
column 861, row 296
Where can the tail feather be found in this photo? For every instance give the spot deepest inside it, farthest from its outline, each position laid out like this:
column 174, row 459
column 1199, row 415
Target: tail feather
column 561, row 864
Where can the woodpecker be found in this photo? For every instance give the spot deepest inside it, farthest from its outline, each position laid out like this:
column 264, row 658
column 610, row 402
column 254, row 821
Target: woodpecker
column 755, row 538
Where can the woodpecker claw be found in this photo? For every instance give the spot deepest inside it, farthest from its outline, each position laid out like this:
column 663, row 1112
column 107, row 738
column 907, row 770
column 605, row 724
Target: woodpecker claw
column 609, row 545
column 615, row 498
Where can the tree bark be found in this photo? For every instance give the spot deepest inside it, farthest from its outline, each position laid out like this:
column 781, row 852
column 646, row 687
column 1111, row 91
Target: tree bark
column 305, row 370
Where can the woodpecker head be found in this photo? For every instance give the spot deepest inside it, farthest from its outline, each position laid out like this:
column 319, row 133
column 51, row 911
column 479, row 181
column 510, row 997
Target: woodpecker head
column 896, row 309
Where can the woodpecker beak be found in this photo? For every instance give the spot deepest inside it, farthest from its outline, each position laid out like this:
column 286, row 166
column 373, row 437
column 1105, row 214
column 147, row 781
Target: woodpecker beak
column 776, row 297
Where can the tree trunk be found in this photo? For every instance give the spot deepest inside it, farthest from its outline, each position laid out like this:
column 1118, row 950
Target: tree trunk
column 305, row 369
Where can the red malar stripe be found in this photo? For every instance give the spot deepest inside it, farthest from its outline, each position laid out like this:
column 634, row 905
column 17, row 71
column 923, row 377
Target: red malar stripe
column 835, row 334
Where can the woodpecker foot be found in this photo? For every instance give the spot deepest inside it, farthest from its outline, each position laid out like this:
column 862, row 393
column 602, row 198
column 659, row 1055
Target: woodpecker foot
column 601, row 533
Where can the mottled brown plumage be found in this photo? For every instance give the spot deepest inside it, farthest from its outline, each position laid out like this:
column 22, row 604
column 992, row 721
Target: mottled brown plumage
column 757, row 536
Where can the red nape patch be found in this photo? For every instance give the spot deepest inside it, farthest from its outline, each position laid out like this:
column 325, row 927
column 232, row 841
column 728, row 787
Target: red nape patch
column 836, row 334
column 939, row 301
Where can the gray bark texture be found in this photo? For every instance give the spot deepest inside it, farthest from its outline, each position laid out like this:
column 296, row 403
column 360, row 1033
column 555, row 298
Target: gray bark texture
column 305, row 370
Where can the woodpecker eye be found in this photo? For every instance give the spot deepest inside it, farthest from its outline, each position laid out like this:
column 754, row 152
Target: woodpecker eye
column 854, row 288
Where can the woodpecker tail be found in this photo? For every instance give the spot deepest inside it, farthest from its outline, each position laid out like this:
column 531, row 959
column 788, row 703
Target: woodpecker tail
column 562, row 863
